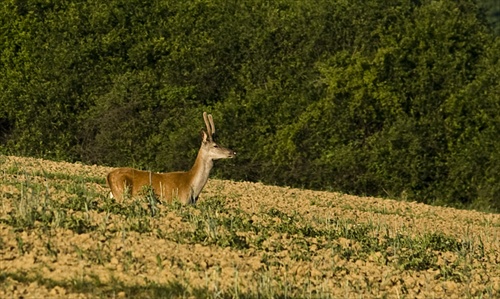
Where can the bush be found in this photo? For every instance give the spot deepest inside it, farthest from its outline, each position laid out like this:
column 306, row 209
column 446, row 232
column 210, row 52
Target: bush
column 394, row 98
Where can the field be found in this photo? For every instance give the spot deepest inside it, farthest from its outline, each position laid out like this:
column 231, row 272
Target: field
column 62, row 237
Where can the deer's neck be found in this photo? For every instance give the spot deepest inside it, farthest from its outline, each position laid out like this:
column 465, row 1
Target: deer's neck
column 199, row 173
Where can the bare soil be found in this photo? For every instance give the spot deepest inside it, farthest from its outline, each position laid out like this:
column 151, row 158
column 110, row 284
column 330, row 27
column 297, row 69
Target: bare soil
column 240, row 240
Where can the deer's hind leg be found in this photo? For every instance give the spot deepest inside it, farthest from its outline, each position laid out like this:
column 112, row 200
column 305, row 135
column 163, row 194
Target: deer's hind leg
column 120, row 186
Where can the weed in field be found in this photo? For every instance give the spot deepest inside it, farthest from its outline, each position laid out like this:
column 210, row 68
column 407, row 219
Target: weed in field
column 20, row 245
column 16, row 169
column 79, row 225
column 80, row 202
column 150, row 197
column 100, row 255
column 78, row 251
column 27, row 206
column 51, row 250
column 34, row 206
column 92, row 285
column 214, row 224
column 159, row 262
column 140, row 225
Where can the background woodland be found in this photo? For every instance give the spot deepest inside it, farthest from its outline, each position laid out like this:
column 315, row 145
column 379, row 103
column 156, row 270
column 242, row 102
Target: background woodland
column 396, row 98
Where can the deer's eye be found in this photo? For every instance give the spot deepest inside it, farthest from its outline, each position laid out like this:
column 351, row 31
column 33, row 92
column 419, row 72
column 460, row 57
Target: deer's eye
column 215, row 145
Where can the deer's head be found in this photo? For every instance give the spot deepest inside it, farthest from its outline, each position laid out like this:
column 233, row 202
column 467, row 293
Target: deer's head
column 213, row 150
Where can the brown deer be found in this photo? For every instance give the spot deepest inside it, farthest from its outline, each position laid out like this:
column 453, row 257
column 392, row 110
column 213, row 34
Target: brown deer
column 183, row 186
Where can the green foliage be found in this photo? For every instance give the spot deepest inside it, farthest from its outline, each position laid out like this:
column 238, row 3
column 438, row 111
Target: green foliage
column 492, row 11
column 396, row 98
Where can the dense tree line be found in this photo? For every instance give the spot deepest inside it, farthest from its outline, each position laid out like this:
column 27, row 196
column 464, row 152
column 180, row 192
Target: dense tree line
column 397, row 98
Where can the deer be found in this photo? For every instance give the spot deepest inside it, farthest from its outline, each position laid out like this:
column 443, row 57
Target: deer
column 184, row 186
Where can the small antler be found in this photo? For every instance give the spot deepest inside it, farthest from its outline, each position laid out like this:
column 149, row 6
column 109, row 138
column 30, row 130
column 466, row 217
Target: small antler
column 209, row 123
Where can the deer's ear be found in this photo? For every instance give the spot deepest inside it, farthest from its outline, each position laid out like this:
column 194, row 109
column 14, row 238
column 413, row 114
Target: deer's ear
column 204, row 136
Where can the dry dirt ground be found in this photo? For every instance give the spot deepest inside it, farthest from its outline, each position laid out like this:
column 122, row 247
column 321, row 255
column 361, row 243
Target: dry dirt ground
column 62, row 237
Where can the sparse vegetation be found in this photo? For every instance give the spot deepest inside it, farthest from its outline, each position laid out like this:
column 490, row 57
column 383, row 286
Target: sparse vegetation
column 235, row 243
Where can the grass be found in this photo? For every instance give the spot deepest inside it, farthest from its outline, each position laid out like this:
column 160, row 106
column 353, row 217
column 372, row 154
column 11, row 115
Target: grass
column 50, row 201
column 94, row 286
column 215, row 225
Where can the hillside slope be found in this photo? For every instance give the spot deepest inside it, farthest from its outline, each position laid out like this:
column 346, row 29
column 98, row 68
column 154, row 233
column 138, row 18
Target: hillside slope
column 61, row 236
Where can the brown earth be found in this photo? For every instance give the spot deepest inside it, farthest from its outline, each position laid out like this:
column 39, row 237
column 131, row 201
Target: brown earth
column 49, row 259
